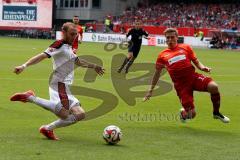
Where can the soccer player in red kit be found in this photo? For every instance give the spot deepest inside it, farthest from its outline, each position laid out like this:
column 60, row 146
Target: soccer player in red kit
column 178, row 59
column 80, row 34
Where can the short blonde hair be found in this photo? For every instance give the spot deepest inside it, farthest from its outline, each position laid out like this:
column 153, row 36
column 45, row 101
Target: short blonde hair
column 68, row 25
column 171, row 30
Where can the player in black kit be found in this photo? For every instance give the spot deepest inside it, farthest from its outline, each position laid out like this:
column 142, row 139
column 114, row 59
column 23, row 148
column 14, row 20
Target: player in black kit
column 134, row 45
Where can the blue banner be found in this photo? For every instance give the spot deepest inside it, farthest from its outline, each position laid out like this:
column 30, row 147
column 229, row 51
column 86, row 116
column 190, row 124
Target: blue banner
column 19, row 13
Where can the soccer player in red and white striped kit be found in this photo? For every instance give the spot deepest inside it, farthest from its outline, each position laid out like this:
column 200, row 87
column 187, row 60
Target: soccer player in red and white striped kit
column 62, row 103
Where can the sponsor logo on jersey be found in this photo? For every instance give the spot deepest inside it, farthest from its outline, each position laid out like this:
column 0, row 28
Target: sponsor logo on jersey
column 176, row 59
column 181, row 51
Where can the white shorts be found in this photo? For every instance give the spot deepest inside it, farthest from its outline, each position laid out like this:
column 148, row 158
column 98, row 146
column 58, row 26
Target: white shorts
column 60, row 93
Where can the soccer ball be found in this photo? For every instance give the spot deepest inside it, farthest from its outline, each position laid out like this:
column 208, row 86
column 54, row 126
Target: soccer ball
column 112, row 134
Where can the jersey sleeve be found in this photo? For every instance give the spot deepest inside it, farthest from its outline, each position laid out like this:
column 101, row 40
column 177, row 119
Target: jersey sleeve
column 191, row 53
column 80, row 30
column 159, row 63
column 53, row 49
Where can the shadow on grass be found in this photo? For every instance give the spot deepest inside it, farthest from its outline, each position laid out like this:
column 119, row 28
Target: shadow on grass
column 82, row 142
column 119, row 145
column 150, row 134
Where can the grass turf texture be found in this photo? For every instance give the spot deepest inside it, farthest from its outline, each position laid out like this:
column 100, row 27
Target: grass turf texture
column 143, row 137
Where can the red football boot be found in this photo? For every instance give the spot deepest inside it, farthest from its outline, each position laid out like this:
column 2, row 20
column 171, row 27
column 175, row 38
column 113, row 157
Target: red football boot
column 47, row 133
column 23, row 97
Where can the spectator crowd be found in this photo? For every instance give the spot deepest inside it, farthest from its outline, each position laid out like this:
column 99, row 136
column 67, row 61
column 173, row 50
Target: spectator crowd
column 198, row 15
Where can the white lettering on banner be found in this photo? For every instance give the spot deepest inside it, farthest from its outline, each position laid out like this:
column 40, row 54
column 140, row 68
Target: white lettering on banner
column 176, row 59
column 20, row 17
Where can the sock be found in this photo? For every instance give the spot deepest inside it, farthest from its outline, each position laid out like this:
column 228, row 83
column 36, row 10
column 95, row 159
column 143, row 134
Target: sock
column 129, row 64
column 46, row 104
column 190, row 111
column 216, row 102
column 124, row 63
column 62, row 123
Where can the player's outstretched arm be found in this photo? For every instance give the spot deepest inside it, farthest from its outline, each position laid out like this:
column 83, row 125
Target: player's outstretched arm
column 201, row 67
column 146, row 37
column 34, row 60
column 86, row 64
column 154, row 81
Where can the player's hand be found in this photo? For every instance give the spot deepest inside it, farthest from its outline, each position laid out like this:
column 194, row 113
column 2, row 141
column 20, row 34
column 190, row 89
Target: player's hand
column 206, row 69
column 18, row 69
column 147, row 96
column 100, row 71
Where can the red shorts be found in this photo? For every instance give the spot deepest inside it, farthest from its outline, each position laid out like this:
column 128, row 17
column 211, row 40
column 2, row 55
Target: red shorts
column 185, row 88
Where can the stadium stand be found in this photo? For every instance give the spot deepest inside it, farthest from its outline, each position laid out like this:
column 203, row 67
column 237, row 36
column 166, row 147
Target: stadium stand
column 199, row 15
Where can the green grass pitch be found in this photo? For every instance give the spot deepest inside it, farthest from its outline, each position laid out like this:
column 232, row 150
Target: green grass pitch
column 144, row 137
